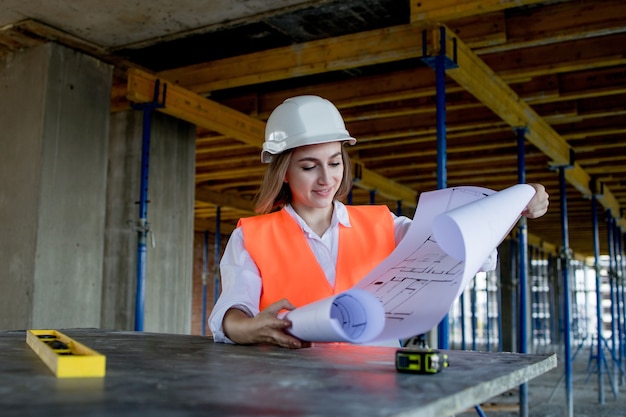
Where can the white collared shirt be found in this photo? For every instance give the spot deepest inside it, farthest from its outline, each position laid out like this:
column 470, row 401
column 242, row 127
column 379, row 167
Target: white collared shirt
column 241, row 280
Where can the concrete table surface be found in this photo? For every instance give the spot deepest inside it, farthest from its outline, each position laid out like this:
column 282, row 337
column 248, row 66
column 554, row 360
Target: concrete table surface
column 163, row 375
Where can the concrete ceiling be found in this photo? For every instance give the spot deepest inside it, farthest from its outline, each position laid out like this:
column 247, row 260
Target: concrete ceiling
column 121, row 24
column 557, row 67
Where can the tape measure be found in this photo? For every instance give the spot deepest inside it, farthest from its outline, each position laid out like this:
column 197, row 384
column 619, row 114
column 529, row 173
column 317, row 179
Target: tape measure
column 420, row 361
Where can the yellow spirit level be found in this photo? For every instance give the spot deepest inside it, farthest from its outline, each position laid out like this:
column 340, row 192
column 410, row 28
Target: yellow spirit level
column 65, row 357
column 420, row 361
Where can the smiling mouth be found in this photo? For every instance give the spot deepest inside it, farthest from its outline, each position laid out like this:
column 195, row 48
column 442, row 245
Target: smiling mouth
column 322, row 192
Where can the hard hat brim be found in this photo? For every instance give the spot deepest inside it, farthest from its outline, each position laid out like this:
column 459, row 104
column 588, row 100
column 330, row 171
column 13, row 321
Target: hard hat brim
column 267, row 154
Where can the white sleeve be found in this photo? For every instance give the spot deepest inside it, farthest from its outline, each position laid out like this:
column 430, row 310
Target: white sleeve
column 400, row 224
column 241, row 285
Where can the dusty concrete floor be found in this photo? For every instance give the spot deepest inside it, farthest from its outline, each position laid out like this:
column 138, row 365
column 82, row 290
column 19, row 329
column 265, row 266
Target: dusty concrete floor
column 547, row 394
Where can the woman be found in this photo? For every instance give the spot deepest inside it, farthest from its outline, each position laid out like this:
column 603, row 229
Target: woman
column 313, row 246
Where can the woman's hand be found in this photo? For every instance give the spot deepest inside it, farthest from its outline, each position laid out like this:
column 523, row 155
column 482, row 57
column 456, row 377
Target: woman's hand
column 265, row 327
column 538, row 205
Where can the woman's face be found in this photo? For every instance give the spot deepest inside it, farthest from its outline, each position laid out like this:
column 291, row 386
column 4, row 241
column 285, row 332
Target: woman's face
column 314, row 175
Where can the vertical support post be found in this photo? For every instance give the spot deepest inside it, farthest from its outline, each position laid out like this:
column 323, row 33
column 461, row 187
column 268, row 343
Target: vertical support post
column 566, row 295
column 143, row 228
column 440, row 63
column 442, row 176
column 596, row 257
column 474, row 318
column 522, row 339
column 462, row 319
column 535, row 302
column 205, row 261
column 499, row 317
column 399, row 208
column 218, row 251
column 487, row 309
column 553, row 298
column 372, row 197
column 612, row 284
column 623, row 284
column 620, row 301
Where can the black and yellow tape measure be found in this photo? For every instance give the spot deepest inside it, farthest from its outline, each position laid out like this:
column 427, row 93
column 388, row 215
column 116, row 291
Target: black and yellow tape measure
column 420, row 361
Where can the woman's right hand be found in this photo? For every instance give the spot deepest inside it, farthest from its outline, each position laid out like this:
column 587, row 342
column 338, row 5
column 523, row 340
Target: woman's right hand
column 265, row 327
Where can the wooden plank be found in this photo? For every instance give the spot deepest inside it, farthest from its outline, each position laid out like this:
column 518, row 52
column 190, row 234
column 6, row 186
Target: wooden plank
column 445, row 10
column 192, row 107
column 578, row 55
column 558, row 23
column 477, row 78
column 325, row 55
column 372, row 181
column 231, row 173
column 223, row 199
column 332, row 54
column 204, row 225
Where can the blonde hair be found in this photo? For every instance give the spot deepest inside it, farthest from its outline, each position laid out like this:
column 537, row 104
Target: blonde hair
column 274, row 193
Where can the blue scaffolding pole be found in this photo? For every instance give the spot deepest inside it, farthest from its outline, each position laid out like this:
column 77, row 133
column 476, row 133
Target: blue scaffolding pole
column 487, row 306
column 205, row 262
column 619, row 299
column 596, row 256
column 535, row 301
column 441, row 63
column 565, row 258
column 618, row 371
column 474, row 314
column 522, row 339
column 623, row 285
column 217, row 253
column 462, row 321
column 143, row 227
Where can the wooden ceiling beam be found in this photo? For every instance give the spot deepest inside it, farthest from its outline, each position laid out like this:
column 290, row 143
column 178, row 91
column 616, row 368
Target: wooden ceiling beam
column 566, row 57
column 332, row 54
column 445, row 10
column 561, row 22
column 325, row 55
column 232, row 173
column 369, row 180
column 187, row 105
column 479, row 79
column 205, row 194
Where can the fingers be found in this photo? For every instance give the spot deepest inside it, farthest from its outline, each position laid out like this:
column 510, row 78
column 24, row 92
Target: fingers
column 283, row 304
column 272, row 328
column 538, row 205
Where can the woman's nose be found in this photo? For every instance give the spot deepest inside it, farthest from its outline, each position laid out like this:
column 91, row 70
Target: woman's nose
column 324, row 176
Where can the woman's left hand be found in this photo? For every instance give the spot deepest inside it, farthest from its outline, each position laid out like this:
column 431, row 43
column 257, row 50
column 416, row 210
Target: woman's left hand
column 538, row 205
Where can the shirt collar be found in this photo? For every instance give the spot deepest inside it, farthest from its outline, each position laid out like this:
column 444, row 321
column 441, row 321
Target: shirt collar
column 340, row 216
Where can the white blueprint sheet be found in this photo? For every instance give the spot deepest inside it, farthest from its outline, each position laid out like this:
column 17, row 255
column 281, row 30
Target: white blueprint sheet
column 453, row 233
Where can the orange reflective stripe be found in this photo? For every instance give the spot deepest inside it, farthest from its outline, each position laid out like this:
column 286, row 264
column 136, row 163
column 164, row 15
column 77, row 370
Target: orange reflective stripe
column 289, row 268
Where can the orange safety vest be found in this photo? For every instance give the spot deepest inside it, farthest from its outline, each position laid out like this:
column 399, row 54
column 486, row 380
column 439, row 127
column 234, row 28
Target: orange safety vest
column 288, row 266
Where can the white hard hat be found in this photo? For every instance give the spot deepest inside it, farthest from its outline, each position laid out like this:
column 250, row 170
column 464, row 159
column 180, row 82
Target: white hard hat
column 303, row 120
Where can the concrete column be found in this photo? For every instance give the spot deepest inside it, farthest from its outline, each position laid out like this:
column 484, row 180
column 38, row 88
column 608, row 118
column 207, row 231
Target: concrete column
column 54, row 118
column 169, row 264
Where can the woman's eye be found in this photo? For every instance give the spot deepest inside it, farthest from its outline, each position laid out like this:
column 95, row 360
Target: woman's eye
column 308, row 168
column 335, row 164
